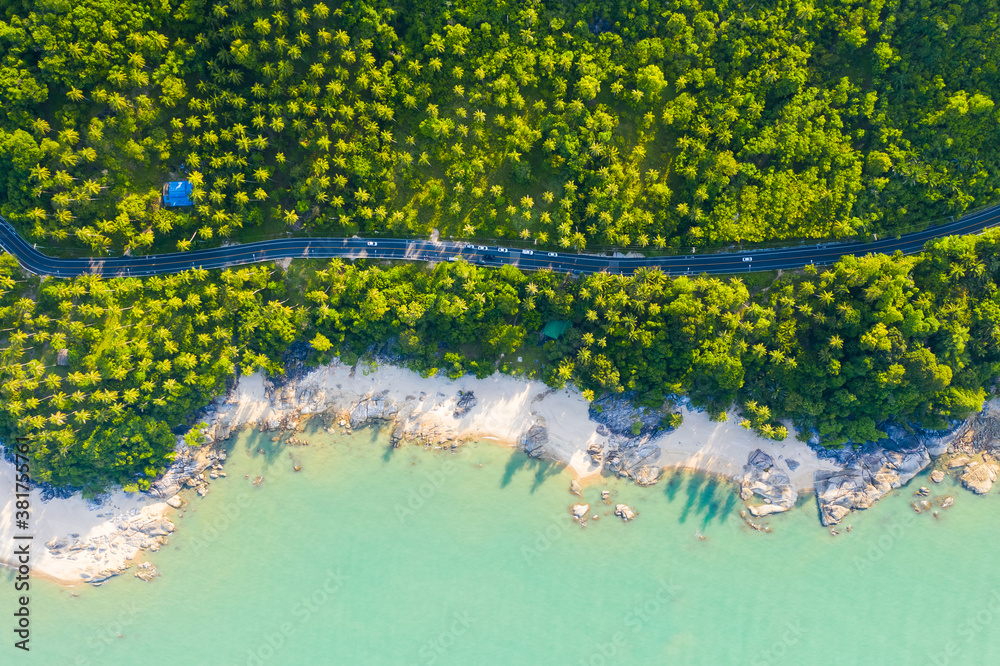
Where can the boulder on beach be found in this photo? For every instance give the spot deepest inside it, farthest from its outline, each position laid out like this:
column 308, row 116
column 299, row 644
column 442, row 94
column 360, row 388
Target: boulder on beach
column 648, row 475
column 958, row 461
column 865, row 479
column 762, row 478
column 466, row 401
column 535, row 439
column 979, row 477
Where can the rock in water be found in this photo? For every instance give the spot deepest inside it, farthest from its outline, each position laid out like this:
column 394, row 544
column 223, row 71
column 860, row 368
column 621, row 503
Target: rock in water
column 648, row 475
column 579, row 511
column 624, row 512
column 866, row 479
column 176, row 502
column 937, row 476
column 574, row 487
column 959, row 461
column 979, row 477
column 947, row 501
column 761, row 477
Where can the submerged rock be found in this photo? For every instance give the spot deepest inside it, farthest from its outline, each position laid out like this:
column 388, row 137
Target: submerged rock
column 866, row 479
column 761, row 477
column 947, row 501
column 574, row 487
column 937, row 476
column 979, row 477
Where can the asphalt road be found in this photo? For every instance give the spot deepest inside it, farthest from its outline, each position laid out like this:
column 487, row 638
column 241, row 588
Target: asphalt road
column 421, row 250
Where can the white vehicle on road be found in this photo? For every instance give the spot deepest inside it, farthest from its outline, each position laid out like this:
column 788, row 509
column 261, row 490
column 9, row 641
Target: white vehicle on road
column 553, row 254
column 747, row 258
column 527, row 251
column 482, row 247
column 502, row 249
column 372, row 243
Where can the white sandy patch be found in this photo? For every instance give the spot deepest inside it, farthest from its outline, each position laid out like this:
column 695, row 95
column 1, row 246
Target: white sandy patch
column 61, row 518
column 506, row 407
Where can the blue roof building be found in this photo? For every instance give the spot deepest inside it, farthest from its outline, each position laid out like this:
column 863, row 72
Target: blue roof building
column 177, row 193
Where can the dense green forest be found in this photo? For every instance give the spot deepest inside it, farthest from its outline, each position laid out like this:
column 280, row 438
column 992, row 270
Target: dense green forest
column 573, row 124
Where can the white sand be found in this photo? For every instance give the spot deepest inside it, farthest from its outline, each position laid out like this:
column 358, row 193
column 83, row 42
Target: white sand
column 61, row 518
column 506, row 408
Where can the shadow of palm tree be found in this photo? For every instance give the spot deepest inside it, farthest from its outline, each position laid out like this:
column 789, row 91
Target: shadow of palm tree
column 693, row 492
column 518, row 460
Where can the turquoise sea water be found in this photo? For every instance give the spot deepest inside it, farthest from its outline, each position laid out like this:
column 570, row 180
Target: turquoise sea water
column 376, row 556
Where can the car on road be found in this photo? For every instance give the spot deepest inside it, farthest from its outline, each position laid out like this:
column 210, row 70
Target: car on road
column 455, row 258
column 482, row 247
column 527, row 251
column 747, row 258
column 502, row 249
column 553, row 254
column 372, row 243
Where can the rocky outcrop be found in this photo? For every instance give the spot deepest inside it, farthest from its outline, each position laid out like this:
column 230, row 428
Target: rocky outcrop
column 535, row 439
column 979, row 477
column 110, row 553
column 633, row 458
column 866, row 478
column 625, row 512
column 466, row 401
column 579, row 511
column 764, row 479
column 620, row 417
column 373, row 408
column 647, row 475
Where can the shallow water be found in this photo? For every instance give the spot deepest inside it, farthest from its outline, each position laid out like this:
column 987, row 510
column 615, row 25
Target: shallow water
column 370, row 555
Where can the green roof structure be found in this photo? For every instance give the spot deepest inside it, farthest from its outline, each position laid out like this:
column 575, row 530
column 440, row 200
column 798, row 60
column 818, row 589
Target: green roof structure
column 555, row 328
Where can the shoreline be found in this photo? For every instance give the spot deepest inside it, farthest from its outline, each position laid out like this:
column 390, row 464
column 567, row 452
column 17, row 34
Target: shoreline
column 90, row 542
column 502, row 410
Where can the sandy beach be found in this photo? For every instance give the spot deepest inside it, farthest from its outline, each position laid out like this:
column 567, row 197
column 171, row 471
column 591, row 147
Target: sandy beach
column 505, row 408
column 72, row 519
